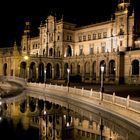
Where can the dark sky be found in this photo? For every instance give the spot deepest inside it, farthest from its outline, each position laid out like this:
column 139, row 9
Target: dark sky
column 13, row 14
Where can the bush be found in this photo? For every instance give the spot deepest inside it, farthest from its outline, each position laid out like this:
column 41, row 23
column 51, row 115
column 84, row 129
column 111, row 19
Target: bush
column 75, row 79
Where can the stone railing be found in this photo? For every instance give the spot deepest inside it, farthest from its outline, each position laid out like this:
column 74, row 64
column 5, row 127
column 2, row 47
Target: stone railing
column 15, row 79
column 126, row 103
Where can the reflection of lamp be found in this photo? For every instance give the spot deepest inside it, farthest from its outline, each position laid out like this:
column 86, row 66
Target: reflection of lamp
column 0, row 101
column 101, row 129
column 44, row 112
column 102, row 76
column 44, row 76
column 68, row 71
column 0, row 109
column 68, row 117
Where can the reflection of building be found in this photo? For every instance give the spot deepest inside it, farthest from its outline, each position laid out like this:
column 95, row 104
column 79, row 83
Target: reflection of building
column 114, row 43
column 51, row 119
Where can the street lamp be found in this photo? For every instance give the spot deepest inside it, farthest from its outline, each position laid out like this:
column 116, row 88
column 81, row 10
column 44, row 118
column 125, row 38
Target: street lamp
column 102, row 79
column 68, row 71
column 26, row 57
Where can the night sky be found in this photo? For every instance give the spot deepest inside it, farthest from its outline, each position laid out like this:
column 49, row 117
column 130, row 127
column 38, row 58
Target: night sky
column 13, row 14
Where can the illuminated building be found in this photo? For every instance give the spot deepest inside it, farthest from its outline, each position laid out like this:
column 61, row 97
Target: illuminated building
column 60, row 45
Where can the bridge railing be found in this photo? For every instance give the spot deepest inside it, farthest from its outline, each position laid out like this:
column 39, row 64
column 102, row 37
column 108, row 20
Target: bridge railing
column 18, row 80
column 126, row 103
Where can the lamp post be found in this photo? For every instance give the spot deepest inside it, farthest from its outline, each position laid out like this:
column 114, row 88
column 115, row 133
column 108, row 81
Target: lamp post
column 68, row 71
column 102, row 80
column 26, row 58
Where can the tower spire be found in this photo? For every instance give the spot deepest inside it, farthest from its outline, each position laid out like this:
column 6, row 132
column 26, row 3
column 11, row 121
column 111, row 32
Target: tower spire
column 123, row 5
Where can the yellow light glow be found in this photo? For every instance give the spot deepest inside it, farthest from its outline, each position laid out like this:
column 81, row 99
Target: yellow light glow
column 26, row 57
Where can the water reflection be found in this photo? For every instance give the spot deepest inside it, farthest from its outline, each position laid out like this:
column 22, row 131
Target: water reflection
column 8, row 130
column 54, row 122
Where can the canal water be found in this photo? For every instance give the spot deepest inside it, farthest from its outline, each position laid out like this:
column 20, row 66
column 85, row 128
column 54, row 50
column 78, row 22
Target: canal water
column 62, row 123
column 9, row 131
column 16, row 129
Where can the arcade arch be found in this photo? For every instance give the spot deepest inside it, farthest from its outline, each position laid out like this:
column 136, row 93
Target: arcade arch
column 41, row 72
column 135, row 67
column 23, row 70
column 87, row 70
column 94, row 70
column 57, row 71
column 32, row 72
column 49, row 69
column 112, row 70
column 5, row 69
column 65, row 70
column 68, row 51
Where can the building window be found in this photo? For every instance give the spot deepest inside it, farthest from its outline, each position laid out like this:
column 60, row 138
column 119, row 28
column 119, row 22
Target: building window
column 94, row 36
column 99, row 35
column 67, row 37
column 88, row 134
column 97, row 49
column 84, row 37
column 33, row 46
column 104, row 34
column 89, row 37
column 121, row 32
column 91, row 49
column 50, row 37
column 135, row 67
column 103, row 46
column 80, row 49
column 80, row 38
column 70, row 38
column 24, row 48
column 58, row 37
column 103, row 49
column 83, row 133
column 121, row 43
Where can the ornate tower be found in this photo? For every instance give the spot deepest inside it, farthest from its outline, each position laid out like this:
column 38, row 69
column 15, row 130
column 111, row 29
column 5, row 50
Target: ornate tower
column 25, row 43
column 124, row 21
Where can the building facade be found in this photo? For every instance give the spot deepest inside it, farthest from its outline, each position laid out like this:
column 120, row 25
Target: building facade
column 114, row 44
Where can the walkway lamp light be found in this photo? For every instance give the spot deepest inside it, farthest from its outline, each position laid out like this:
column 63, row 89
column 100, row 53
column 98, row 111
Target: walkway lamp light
column 68, row 76
column 102, row 80
column 26, row 57
column 101, row 129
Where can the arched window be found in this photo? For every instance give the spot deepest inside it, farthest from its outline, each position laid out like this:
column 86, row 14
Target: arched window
column 69, row 51
column 51, row 52
column 135, row 67
column 112, row 67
